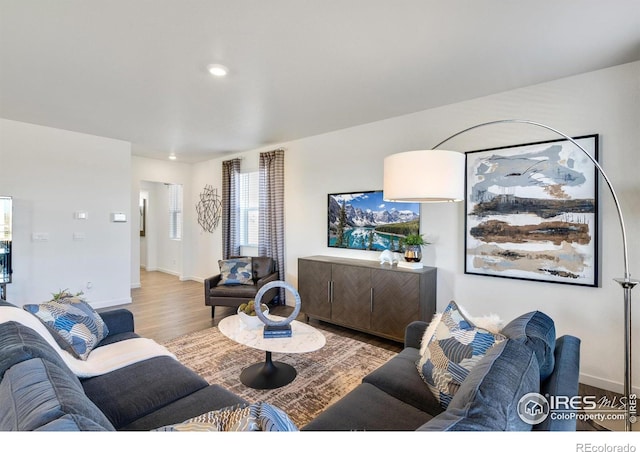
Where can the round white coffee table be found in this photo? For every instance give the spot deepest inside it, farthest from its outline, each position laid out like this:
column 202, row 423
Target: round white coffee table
column 271, row 374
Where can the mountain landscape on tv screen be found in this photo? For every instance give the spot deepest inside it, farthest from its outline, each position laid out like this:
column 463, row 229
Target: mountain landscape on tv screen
column 376, row 226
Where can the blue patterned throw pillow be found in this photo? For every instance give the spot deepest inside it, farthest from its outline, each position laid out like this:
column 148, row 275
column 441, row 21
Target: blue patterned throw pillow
column 454, row 346
column 74, row 320
column 235, row 271
column 257, row 417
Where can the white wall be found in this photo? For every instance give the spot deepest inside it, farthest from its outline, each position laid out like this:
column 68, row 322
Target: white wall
column 606, row 102
column 51, row 174
column 208, row 248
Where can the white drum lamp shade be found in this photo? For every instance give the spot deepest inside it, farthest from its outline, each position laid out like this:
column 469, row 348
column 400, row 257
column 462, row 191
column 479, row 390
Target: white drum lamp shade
column 424, row 176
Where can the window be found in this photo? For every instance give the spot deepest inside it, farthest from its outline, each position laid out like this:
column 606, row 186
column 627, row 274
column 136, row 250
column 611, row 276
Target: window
column 249, row 212
column 175, row 212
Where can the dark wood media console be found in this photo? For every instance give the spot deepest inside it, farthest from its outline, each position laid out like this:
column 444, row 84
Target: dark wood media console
column 365, row 295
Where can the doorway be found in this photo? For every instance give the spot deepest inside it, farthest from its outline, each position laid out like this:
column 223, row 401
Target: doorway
column 161, row 241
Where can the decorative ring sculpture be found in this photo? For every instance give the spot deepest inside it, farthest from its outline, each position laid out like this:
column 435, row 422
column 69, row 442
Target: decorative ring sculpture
column 261, row 293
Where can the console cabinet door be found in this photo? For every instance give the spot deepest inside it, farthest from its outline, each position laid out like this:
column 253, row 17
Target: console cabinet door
column 351, row 296
column 314, row 279
column 396, row 302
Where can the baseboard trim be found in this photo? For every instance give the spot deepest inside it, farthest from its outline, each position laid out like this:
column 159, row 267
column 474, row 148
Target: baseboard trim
column 168, row 272
column 603, row 383
column 109, row 303
column 174, row 273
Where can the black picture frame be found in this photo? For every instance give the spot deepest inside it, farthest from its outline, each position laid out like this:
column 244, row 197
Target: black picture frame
column 531, row 212
column 365, row 221
column 143, row 217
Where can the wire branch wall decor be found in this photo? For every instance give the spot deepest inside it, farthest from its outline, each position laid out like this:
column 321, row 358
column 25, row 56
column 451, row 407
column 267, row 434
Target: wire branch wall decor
column 209, row 208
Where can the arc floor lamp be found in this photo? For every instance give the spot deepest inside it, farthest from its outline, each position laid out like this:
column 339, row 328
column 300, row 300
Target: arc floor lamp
column 442, row 180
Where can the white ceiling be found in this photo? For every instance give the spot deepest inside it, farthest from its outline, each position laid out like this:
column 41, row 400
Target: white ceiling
column 135, row 70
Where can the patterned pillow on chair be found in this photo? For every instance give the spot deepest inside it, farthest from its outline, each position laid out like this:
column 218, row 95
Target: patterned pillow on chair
column 235, row 271
column 454, row 346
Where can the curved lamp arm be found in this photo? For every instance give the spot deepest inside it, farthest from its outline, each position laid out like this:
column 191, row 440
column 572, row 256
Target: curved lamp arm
column 627, row 283
column 627, row 275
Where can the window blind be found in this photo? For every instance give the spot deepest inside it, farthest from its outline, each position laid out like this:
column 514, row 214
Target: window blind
column 249, row 211
column 175, row 211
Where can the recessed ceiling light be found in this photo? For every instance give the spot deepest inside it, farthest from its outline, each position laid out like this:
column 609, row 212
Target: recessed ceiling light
column 172, row 157
column 218, row 70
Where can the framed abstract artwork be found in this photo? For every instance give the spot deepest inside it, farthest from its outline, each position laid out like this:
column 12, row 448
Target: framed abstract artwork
column 532, row 212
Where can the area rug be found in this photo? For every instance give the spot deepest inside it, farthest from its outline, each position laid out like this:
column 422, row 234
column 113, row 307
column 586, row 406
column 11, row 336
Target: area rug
column 324, row 376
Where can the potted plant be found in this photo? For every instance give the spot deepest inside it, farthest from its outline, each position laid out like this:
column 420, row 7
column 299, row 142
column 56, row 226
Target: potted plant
column 413, row 247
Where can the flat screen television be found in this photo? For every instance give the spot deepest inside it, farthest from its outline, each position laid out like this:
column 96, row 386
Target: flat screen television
column 365, row 221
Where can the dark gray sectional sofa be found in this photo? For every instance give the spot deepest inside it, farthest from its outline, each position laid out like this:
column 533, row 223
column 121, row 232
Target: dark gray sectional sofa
column 38, row 391
column 394, row 397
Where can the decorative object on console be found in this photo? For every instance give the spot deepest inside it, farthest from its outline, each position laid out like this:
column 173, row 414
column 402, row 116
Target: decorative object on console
column 389, row 257
column 451, row 347
column 366, row 221
column 412, row 245
column 446, row 168
column 531, row 212
column 209, row 209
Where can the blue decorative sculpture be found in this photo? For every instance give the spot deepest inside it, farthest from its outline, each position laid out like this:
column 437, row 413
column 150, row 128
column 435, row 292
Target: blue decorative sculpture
column 271, row 285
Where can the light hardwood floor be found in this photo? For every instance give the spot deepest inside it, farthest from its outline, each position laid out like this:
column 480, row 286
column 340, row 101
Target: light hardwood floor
column 165, row 307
